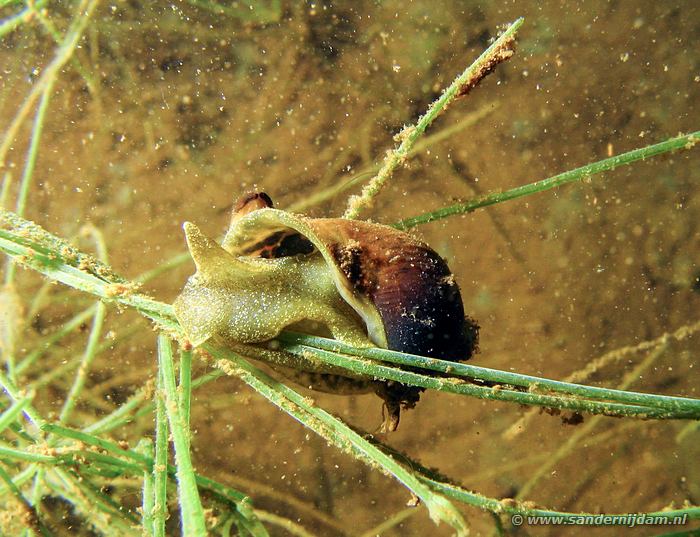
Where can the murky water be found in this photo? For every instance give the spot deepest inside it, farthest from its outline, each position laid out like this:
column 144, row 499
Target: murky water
column 189, row 108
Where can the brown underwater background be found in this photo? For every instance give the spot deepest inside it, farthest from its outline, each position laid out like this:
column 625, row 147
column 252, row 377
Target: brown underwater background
column 192, row 108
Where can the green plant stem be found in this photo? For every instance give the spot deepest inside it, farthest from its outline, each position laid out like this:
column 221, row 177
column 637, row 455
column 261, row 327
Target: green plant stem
column 453, row 385
column 121, row 415
column 160, row 468
column 33, row 151
column 16, row 395
column 190, row 504
column 493, row 55
column 26, row 181
column 19, row 455
column 38, row 490
column 56, row 36
column 583, row 173
column 21, row 478
column 11, row 23
column 185, row 389
column 86, row 362
column 17, row 407
column 302, row 343
column 346, row 183
column 515, row 507
column 148, row 495
column 334, row 431
column 107, row 445
column 144, row 462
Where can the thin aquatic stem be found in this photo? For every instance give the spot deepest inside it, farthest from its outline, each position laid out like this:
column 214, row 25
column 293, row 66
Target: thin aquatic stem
column 160, row 468
column 13, row 22
column 29, row 166
column 686, row 141
column 56, row 36
column 143, row 462
column 8, row 453
column 300, row 342
column 85, row 363
column 23, row 477
column 513, row 507
column 499, row 51
column 368, row 172
column 190, row 504
column 10, row 415
column 18, row 395
column 185, row 388
column 38, row 490
column 148, row 491
column 496, row 393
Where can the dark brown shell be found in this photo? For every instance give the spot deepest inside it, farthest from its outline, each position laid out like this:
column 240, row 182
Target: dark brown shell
column 408, row 284
column 411, row 286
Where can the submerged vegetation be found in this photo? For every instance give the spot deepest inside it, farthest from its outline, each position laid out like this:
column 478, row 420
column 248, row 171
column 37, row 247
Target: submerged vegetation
column 63, row 466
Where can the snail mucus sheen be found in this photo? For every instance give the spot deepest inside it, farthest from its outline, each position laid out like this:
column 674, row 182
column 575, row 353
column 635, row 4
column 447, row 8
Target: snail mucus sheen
column 364, row 284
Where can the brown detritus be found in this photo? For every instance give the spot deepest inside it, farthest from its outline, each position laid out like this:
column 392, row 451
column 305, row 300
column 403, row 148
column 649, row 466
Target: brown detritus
column 121, row 289
column 413, row 501
column 29, row 516
column 550, row 411
column 576, row 418
column 508, row 503
column 501, row 54
column 69, row 254
column 404, row 133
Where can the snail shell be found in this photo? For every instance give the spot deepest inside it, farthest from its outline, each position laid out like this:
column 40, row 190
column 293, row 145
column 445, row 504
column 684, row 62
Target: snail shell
column 369, row 284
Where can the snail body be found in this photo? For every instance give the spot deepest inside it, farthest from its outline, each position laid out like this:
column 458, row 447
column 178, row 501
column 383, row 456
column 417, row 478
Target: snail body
column 368, row 284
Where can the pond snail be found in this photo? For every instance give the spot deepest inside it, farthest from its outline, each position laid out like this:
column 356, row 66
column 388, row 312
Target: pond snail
column 367, row 284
